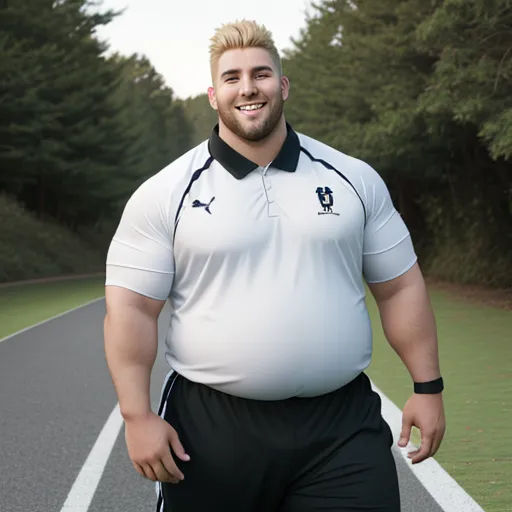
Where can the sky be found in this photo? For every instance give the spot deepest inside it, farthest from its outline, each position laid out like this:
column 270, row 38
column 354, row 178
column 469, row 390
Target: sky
column 174, row 36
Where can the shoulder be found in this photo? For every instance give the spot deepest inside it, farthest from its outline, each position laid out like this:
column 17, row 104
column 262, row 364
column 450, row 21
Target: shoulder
column 360, row 173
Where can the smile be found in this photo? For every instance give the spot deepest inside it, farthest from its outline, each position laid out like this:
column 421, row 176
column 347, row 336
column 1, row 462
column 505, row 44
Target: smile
column 251, row 108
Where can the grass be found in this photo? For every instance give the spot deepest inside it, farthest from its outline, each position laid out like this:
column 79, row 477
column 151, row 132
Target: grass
column 25, row 305
column 33, row 247
column 476, row 362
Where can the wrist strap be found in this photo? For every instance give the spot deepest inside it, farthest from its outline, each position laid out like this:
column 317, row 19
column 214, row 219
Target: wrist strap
column 429, row 388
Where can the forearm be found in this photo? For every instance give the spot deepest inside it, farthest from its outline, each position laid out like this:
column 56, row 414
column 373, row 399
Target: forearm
column 131, row 341
column 409, row 325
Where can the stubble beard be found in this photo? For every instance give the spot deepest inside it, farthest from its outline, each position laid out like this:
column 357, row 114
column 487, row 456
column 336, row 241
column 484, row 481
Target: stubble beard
column 257, row 131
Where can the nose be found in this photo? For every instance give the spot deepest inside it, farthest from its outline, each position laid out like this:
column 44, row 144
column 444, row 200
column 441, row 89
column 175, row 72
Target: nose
column 248, row 87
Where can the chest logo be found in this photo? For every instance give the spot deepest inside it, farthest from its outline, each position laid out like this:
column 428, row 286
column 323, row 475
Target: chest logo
column 326, row 198
column 206, row 206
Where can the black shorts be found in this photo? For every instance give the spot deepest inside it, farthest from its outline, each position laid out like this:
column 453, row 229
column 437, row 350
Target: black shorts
column 330, row 453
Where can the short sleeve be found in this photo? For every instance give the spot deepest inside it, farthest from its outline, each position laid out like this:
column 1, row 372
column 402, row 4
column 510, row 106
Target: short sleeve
column 388, row 250
column 140, row 256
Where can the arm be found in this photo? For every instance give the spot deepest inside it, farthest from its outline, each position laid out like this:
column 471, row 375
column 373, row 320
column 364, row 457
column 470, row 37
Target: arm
column 409, row 325
column 408, row 322
column 131, row 342
column 391, row 270
column 130, row 347
column 140, row 272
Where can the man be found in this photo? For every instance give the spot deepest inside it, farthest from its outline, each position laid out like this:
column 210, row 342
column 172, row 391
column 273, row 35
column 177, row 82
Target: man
column 260, row 238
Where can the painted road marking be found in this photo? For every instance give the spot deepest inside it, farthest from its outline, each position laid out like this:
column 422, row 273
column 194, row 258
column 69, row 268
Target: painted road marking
column 81, row 494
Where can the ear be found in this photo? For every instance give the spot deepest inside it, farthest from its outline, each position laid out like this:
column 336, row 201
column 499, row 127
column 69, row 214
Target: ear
column 285, row 87
column 212, row 98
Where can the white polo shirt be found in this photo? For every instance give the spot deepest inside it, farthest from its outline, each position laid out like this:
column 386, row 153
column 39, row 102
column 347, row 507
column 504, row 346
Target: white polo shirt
column 264, row 268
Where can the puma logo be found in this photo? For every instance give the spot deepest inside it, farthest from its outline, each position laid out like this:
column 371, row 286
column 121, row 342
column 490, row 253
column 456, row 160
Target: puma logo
column 199, row 204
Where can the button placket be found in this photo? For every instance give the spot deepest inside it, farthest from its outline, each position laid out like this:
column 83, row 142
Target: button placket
column 269, row 193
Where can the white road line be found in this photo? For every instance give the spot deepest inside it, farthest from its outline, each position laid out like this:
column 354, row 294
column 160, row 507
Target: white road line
column 82, row 492
column 450, row 496
column 50, row 319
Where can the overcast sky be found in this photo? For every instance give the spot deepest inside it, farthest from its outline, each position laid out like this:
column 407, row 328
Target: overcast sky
column 175, row 35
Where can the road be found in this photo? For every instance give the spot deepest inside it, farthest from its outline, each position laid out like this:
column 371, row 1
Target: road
column 55, row 397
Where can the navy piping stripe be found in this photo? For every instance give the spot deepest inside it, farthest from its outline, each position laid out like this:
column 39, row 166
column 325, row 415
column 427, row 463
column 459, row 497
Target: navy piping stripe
column 159, row 503
column 195, row 177
column 332, row 168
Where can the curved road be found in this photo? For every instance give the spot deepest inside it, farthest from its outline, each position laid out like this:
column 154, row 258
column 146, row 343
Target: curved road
column 55, row 397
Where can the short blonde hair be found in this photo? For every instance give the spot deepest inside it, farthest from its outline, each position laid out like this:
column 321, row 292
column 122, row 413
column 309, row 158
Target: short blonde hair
column 242, row 34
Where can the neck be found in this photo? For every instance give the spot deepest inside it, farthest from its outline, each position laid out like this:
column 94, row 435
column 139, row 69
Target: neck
column 261, row 152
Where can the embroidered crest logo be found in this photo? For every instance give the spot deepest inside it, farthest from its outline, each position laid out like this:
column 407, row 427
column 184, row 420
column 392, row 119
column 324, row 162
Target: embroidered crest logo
column 326, row 198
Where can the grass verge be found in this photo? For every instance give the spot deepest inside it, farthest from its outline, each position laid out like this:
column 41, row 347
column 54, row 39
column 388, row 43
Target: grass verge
column 24, row 305
column 32, row 247
column 476, row 362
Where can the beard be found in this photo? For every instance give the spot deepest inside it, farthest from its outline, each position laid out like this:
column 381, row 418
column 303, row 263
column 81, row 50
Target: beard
column 252, row 130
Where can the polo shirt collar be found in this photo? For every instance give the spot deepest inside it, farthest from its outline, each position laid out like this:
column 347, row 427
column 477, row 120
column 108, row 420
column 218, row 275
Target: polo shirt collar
column 239, row 166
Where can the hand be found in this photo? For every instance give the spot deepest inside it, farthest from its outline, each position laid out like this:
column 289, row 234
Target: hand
column 149, row 440
column 425, row 412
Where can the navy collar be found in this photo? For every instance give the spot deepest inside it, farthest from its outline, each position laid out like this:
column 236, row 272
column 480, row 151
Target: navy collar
column 239, row 166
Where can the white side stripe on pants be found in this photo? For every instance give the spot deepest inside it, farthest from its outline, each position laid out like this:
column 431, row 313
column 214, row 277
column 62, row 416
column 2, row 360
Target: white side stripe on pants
column 162, row 408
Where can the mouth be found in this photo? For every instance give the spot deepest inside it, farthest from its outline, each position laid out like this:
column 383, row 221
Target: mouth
column 252, row 108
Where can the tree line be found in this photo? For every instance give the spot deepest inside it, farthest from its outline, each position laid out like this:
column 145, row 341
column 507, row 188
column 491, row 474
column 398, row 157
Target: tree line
column 421, row 90
column 78, row 131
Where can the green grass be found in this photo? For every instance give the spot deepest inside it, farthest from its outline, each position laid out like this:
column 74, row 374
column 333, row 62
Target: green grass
column 476, row 362
column 25, row 305
column 32, row 247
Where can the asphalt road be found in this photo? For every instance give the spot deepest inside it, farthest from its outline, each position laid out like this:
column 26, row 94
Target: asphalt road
column 55, row 397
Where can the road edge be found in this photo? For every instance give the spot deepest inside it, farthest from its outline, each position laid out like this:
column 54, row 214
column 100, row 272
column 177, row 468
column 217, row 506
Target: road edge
column 443, row 488
column 9, row 336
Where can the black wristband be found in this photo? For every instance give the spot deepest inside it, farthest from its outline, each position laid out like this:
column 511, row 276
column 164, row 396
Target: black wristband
column 429, row 388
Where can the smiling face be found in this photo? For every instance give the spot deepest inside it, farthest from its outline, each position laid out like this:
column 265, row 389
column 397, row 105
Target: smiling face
column 249, row 93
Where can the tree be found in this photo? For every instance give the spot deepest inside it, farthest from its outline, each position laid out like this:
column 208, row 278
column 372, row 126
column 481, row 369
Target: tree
column 78, row 130
column 473, row 76
column 201, row 116
column 158, row 130
column 59, row 131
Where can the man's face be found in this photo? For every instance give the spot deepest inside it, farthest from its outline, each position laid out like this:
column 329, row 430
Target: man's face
column 249, row 94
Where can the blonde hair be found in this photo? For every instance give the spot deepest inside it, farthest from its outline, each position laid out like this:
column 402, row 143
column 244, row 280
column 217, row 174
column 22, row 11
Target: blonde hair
column 238, row 35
